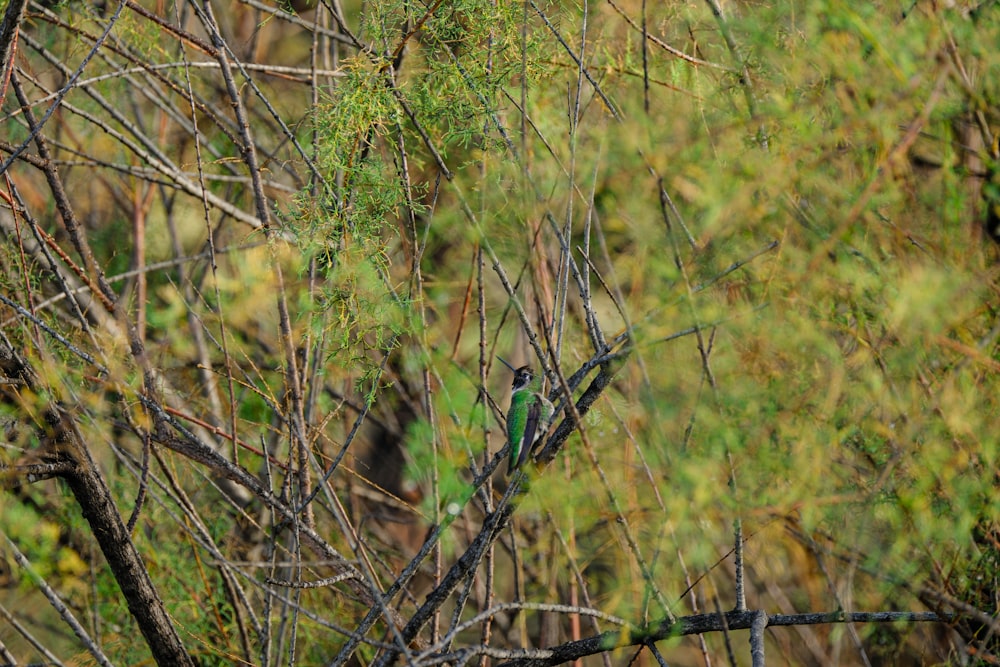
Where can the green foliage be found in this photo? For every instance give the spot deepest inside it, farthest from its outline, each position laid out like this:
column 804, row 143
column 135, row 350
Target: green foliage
column 779, row 234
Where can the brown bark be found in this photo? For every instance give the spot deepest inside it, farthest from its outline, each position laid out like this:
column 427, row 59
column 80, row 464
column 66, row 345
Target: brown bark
column 62, row 442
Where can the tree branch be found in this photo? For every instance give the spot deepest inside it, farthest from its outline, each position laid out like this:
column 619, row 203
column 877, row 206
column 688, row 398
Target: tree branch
column 702, row 623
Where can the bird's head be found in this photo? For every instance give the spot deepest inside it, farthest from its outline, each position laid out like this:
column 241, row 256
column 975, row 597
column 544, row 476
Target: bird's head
column 523, row 376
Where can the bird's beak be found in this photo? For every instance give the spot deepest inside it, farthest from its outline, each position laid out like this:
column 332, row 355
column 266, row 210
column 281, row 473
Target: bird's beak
column 502, row 361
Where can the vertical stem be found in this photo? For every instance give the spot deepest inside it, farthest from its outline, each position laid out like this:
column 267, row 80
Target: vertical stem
column 741, row 597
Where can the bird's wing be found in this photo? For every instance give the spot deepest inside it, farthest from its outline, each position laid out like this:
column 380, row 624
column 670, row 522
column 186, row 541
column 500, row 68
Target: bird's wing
column 530, row 427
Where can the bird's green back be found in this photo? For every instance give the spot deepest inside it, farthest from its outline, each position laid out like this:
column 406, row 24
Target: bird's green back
column 517, row 416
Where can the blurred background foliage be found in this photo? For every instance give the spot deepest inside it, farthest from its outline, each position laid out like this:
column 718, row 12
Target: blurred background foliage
column 785, row 213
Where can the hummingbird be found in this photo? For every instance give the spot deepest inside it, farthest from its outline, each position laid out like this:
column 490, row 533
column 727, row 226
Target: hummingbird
column 528, row 416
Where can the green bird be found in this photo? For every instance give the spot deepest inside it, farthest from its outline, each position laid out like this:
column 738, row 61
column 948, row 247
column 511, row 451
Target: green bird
column 528, row 416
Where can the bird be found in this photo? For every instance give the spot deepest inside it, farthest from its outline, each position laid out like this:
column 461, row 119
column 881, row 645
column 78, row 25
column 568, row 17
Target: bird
column 527, row 417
